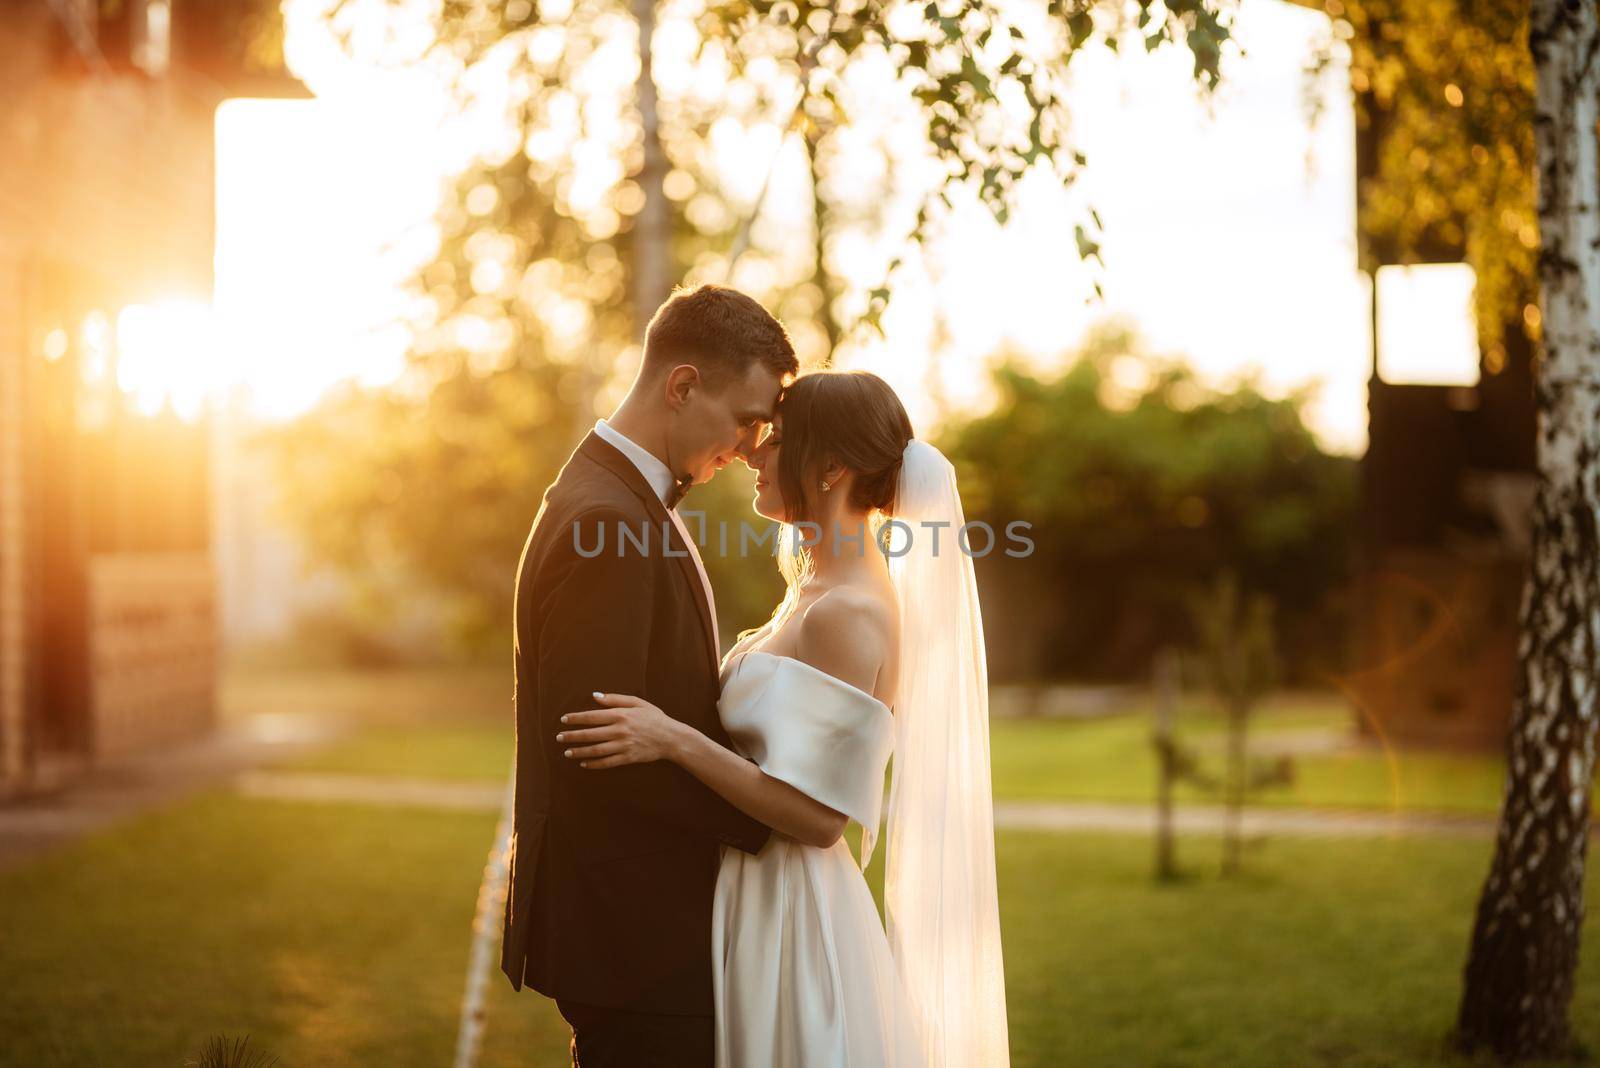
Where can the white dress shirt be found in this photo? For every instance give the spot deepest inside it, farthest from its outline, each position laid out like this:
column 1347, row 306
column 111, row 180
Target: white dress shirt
column 661, row 479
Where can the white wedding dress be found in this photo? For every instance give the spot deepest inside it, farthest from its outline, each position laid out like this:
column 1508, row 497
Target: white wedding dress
column 802, row 971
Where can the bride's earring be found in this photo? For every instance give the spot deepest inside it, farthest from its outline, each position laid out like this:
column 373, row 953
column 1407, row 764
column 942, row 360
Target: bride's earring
column 826, row 487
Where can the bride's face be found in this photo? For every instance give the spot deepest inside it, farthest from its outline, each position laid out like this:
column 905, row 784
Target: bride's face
column 763, row 460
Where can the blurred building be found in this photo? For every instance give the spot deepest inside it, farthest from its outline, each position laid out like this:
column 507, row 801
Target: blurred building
column 1447, row 486
column 107, row 603
column 265, row 587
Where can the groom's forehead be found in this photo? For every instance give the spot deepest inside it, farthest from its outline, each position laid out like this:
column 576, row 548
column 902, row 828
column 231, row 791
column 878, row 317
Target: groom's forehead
column 758, row 395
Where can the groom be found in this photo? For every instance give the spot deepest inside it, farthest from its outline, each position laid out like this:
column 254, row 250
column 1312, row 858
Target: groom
column 612, row 874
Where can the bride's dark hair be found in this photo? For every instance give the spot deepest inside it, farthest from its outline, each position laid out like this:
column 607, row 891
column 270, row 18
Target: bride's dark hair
column 852, row 418
column 848, row 417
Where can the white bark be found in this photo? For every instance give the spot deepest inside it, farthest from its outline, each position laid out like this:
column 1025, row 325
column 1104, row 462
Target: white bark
column 1525, row 941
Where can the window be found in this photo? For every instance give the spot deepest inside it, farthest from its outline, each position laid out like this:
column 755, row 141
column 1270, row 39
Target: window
column 1427, row 330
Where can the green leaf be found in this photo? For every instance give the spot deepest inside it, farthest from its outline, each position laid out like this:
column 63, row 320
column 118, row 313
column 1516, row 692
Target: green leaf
column 975, row 77
column 1087, row 246
column 1080, row 26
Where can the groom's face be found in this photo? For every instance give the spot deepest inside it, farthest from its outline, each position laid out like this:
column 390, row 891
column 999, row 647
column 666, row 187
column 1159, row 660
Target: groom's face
column 714, row 427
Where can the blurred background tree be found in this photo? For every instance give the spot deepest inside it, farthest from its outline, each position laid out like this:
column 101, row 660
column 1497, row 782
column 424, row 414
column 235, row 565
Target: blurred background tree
column 1237, row 651
column 1139, row 483
column 1448, row 84
column 609, row 183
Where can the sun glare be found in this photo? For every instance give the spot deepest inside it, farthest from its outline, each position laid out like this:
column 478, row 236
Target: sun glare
column 325, row 208
column 322, row 213
column 168, row 354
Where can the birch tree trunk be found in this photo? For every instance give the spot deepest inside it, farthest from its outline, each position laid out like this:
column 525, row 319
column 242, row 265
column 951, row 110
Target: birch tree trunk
column 1519, row 973
column 652, row 229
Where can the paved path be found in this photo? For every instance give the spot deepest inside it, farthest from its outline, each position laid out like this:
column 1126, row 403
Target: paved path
column 117, row 790
column 480, row 796
column 1208, row 819
column 237, row 756
column 463, row 795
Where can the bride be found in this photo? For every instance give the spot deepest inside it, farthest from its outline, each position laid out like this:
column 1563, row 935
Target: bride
column 876, row 650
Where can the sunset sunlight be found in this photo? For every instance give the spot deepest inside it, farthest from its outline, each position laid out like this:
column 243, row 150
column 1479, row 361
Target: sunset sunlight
column 356, row 174
column 875, row 534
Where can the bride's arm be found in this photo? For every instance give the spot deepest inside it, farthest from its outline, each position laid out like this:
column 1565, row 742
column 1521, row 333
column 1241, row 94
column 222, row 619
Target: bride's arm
column 628, row 730
column 745, row 786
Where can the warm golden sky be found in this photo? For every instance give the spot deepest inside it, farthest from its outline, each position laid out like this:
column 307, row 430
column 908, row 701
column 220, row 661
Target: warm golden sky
column 1229, row 230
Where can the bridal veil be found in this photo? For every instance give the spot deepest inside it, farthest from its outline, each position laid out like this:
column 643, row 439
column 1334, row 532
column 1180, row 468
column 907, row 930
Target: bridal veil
column 942, row 910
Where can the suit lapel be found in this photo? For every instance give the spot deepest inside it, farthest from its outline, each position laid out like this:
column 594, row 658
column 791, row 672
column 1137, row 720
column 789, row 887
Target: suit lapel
column 603, row 453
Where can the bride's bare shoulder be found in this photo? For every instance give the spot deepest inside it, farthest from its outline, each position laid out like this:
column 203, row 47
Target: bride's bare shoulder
column 848, row 633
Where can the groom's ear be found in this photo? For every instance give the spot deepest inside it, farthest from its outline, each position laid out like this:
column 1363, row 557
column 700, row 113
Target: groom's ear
column 681, row 381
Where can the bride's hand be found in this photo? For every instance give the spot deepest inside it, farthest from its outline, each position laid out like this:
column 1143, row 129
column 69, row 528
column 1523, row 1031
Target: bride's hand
column 627, row 730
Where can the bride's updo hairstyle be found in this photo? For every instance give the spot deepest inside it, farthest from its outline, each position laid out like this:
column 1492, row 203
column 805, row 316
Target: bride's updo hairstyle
column 851, row 418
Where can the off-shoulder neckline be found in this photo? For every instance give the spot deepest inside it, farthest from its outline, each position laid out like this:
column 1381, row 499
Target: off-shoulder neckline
column 819, row 671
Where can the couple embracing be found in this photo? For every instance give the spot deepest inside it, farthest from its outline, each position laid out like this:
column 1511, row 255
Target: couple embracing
column 680, row 883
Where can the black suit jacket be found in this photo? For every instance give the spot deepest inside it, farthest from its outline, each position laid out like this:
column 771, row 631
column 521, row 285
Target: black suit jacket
column 612, row 871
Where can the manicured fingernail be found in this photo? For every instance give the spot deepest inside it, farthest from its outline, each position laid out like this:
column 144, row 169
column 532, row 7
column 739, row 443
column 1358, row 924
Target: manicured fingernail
column 567, row 753
column 563, row 719
column 596, row 695
column 583, row 763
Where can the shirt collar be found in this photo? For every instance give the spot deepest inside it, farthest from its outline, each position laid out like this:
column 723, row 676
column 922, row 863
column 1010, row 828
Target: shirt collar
column 654, row 471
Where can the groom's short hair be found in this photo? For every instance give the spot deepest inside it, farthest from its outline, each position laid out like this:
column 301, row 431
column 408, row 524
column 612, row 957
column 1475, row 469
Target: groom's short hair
column 719, row 330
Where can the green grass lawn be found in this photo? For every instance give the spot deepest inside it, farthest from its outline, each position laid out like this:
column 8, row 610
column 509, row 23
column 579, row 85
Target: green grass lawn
column 338, row 935
column 1112, row 760
column 333, row 935
column 458, row 725
column 456, row 751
